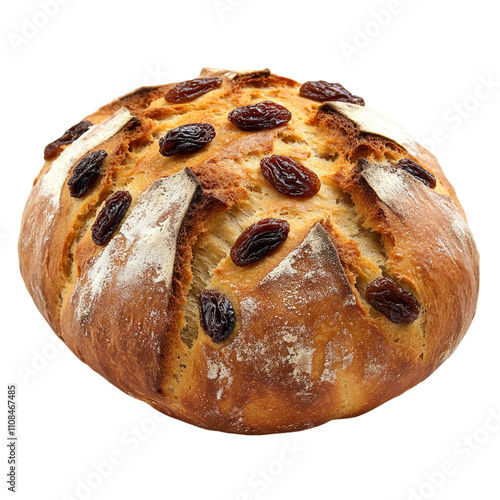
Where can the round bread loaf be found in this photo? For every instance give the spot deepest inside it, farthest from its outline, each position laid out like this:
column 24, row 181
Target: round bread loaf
column 248, row 254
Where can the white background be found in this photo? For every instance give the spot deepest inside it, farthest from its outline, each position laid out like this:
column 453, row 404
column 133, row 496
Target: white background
column 421, row 65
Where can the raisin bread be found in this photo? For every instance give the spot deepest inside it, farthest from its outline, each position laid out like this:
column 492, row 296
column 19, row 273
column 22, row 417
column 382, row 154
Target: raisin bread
column 248, row 254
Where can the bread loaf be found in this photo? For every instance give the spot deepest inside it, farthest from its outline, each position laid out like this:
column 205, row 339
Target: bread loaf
column 248, row 254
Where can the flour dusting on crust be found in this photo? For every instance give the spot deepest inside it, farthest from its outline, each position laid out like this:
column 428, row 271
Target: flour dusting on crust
column 316, row 243
column 302, row 359
column 232, row 75
column 146, row 242
column 390, row 184
column 393, row 187
column 287, row 353
column 53, row 181
column 370, row 121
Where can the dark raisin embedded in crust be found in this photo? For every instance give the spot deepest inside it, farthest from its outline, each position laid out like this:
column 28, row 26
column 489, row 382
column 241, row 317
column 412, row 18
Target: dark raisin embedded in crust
column 187, row 139
column 289, row 177
column 324, row 91
column 110, row 216
column 258, row 240
column 399, row 305
column 417, row 171
column 71, row 135
column 191, row 89
column 261, row 116
column 217, row 316
column 86, row 173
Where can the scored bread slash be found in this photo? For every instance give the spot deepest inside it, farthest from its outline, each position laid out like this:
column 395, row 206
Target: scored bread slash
column 369, row 121
column 234, row 75
column 316, row 245
column 146, row 243
column 403, row 194
column 53, row 181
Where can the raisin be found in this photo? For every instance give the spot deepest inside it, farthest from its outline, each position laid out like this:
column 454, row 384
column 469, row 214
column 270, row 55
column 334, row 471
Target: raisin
column 191, row 89
column 289, row 177
column 323, row 91
column 258, row 240
column 71, row 135
column 217, row 316
column 400, row 306
column 110, row 216
column 417, row 171
column 86, row 173
column 262, row 116
column 187, row 139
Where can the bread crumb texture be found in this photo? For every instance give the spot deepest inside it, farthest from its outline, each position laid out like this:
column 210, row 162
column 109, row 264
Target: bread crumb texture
column 309, row 345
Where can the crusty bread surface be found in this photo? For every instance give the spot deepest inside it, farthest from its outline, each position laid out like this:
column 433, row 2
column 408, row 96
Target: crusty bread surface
column 307, row 346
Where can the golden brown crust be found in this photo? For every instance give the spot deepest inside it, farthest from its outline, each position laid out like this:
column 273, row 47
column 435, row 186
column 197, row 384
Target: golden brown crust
column 307, row 346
